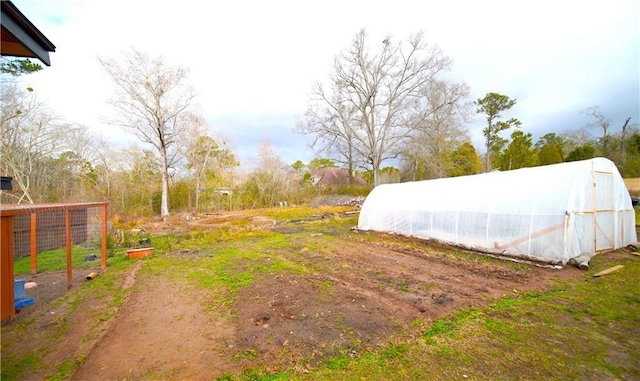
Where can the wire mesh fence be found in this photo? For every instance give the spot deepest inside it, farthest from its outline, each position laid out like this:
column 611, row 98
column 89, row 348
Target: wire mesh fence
column 43, row 230
column 40, row 238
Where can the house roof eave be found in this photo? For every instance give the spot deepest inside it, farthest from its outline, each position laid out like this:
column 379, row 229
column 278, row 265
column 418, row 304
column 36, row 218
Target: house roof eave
column 20, row 38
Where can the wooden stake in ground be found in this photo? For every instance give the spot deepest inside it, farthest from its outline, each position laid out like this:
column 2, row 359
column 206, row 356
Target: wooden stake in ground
column 608, row 271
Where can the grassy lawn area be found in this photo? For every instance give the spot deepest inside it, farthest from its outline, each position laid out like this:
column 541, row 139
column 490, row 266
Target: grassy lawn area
column 53, row 260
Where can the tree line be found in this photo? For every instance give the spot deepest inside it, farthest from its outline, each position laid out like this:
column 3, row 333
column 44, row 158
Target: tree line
column 383, row 103
column 183, row 165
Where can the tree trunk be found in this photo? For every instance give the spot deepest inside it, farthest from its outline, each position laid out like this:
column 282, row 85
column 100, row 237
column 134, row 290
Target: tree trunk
column 350, row 165
column 197, row 196
column 375, row 164
column 487, row 159
column 164, row 204
column 622, row 141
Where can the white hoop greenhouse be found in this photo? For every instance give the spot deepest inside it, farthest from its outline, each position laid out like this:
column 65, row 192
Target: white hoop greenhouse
column 554, row 214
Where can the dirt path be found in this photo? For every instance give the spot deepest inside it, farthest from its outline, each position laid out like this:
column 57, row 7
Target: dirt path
column 161, row 332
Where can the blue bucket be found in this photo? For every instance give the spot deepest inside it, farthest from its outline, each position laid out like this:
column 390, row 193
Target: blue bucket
column 18, row 289
column 22, row 303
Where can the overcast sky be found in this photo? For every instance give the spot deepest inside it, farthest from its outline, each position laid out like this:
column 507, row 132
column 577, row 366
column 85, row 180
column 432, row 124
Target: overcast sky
column 252, row 63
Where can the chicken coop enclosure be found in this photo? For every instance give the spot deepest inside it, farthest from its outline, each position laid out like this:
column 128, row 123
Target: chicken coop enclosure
column 27, row 230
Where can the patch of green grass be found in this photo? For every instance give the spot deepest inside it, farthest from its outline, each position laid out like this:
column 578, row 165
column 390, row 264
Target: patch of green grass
column 167, row 242
column 498, row 327
column 250, row 354
column 402, row 285
column 221, row 272
column 274, row 241
column 394, row 352
column 328, row 287
column 211, row 238
column 226, row 377
column 67, row 369
column 483, row 258
column 226, row 267
column 227, row 261
column 256, row 375
column 54, row 260
column 506, row 303
column 15, row 368
column 337, row 362
column 524, row 298
column 439, row 327
column 304, row 221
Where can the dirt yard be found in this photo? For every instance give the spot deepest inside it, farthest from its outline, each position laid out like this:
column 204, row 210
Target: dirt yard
column 359, row 291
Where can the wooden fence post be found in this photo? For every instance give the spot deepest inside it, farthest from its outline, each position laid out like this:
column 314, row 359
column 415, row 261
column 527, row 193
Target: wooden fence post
column 67, row 224
column 34, row 243
column 104, row 237
column 7, row 281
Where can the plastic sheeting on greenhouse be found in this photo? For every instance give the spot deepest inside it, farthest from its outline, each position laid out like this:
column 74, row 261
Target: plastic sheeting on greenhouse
column 557, row 214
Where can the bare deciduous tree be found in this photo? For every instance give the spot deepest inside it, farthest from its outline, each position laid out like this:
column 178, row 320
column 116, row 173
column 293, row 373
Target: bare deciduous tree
column 437, row 123
column 29, row 139
column 152, row 100
column 370, row 96
column 266, row 184
column 212, row 163
column 601, row 121
column 331, row 122
column 83, row 151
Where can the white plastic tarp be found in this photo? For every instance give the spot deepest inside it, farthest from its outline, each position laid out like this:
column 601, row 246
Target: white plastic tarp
column 554, row 214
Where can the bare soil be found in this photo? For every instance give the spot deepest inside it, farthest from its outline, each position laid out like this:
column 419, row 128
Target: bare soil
column 361, row 291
